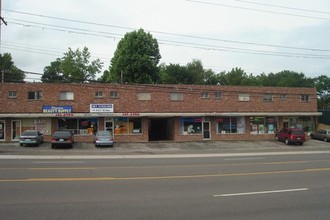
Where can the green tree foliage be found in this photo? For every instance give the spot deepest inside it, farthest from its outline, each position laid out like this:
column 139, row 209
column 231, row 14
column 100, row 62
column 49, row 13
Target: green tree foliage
column 237, row 77
column 8, row 70
column 74, row 66
column 322, row 84
column 196, row 72
column 77, row 67
column 192, row 73
column 286, row 78
column 53, row 73
column 135, row 59
column 174, row 74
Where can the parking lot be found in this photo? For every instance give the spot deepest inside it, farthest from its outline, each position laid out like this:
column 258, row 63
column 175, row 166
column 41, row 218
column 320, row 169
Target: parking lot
column 164, row 147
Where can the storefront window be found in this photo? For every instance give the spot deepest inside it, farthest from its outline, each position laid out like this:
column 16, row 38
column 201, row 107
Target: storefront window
column 125, row 125
column 263, row 125
column 78, row 126
column 41, row 124
column 229, row 125
column 68, row 124
column 191, row 125
column 2, row 130
column 87, row 125
column 304, row 123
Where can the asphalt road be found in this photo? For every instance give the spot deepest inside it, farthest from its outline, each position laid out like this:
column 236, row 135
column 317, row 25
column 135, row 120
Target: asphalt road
column 243, row 187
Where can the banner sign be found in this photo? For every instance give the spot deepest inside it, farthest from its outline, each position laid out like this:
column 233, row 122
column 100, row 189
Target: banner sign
column 101, row 108
column 56, row 109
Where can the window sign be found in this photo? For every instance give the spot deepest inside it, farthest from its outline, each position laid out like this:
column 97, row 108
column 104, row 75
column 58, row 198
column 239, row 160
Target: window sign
column 98, row 108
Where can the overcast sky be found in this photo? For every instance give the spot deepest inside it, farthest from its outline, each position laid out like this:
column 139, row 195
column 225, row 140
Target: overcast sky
column 259, row 36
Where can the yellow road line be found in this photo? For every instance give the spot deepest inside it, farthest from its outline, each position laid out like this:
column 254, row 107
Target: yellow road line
column 163, row 177
column 165, row 166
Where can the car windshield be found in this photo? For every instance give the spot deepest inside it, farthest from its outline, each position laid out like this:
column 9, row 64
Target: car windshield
column 29, row 133
column 297, row 132
column 103, row 133
column 62, row 133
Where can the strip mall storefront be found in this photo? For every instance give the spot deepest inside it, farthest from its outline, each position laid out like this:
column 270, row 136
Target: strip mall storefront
column 144, row 127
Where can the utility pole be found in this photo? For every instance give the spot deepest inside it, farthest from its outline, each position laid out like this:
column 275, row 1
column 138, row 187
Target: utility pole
column 2, row 20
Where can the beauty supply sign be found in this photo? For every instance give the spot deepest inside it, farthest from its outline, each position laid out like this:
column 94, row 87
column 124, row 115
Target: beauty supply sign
column 101, row 108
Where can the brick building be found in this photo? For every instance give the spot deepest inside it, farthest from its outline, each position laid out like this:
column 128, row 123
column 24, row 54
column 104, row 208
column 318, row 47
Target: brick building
column 142, row 113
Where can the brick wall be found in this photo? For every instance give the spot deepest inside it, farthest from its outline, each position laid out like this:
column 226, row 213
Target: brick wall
column 84, row 95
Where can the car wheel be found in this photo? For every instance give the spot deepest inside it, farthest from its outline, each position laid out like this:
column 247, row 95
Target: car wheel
column 301, row 143
column 287, row 142
column 21, row 145
column 53, row 146
column 276, row 138
column 325, row 139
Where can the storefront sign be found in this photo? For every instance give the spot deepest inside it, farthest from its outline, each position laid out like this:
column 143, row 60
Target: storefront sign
column 101, row 108
column 56, row 109
column 131, row 114
column 191, row 120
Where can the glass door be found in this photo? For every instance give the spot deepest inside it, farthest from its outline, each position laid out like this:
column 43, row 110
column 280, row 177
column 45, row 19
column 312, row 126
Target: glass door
column 109, row 126
column 206, row 130
column 2, row 130
column 16, row 130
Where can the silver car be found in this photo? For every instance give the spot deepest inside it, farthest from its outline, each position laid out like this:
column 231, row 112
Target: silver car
column 103, row 138
column 322, row 134
column 31, row 137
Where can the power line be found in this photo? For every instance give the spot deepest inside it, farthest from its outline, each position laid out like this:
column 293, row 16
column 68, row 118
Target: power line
column 283, row 7
column 259, row 10
column 184, row 44
column 171, row 34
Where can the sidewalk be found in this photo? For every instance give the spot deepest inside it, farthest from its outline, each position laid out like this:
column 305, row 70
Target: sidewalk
column 168, row 148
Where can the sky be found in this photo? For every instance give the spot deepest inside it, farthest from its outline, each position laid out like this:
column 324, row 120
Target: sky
column 258, row 36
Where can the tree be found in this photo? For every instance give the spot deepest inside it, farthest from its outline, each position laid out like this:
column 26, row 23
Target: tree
column 288, row 78
column 53, row 72
column 322, row 84
column 174, row 74
column 74, row 66
column 196, row 72
column 237, row 77
column 135, row 59
column 9, row 71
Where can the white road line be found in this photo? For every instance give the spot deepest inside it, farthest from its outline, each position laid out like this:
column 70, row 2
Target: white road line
column 261, row 192
column 249, row 158
column 59, row 162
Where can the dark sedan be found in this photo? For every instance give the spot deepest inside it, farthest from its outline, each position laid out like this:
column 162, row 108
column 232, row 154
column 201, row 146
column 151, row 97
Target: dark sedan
column 62, row 138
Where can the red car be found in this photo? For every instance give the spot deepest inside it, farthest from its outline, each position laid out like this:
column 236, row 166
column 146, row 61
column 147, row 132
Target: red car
column 291, row 135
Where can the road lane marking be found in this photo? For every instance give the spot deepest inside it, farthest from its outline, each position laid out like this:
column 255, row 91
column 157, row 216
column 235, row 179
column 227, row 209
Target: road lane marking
column 160, row 156
column 261, row 192
column 58, row 162
column 164, row 166
column 243, row 158
column 60, row 179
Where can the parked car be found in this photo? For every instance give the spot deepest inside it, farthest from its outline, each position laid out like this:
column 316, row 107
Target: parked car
column 62, row 138
column 31, row 137
column 322, row 134
column 291, row 135
column 103, row 138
